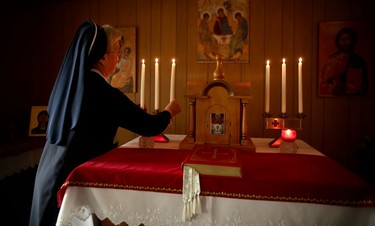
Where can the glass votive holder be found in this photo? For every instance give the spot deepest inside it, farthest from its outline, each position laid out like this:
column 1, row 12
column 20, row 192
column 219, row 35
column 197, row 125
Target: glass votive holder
column 288, row 135
column 146, row 142
column 288, row 138
column 288, row 147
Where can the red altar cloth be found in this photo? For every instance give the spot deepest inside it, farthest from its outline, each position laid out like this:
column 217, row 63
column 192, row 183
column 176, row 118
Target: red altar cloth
column 266, row 176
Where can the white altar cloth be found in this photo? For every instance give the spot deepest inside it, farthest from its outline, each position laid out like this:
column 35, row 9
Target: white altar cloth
column 157, row 208
column 154, row 208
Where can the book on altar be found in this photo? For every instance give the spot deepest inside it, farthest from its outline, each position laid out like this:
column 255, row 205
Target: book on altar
column 215, row 160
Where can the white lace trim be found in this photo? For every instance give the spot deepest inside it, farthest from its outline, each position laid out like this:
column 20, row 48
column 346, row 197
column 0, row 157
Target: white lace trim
column 190, row 193
column 82, row 213
column 82, row 216
column 115, row 211
column 156, row 208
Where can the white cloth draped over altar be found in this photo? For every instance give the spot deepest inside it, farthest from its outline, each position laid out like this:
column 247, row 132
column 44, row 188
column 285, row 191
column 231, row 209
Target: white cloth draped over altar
column 155, row 208
column 137, row 207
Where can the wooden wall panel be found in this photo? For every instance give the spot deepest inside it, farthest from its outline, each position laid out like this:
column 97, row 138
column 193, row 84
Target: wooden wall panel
column 196, row 71
column 316, row 114
column 55, row 51
column 108, row 12
column 167, row 29
column 156, row 38
column 126, row 13
column 255, row 70
column 20, row 61
column 336, row 110
column 168, row 47
column 303, row 45
column 144, row 46
column 94, row 9
column 273, row 52
column 359, row 122
column 126, row 16
column 181, row 122
column 287, row 51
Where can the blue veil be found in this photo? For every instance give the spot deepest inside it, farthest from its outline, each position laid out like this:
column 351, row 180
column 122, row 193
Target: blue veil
column 87, row 47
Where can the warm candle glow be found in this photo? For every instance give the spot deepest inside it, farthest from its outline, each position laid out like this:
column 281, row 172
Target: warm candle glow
column 288, row 135
column 142, row 95
column 267, row 89
column 283, row 87
column 157, row 87
column 173, row 78
column 300, row 94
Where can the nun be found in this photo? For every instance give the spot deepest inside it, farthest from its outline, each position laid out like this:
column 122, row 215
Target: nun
column 85, row 112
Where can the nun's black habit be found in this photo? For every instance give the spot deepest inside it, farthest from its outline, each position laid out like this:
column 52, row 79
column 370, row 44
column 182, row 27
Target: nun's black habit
column 84, row 115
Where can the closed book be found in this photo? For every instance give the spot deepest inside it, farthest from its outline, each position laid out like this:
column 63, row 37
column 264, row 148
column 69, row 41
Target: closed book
column 215, row 160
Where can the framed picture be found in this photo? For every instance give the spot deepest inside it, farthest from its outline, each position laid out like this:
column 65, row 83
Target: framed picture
column 38, row 121
column 345, row 57
column 217, row 123
column 124, row 77
column 223, row 29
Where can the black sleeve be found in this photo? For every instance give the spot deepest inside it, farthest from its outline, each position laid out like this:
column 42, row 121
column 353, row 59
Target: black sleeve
column 132, row 117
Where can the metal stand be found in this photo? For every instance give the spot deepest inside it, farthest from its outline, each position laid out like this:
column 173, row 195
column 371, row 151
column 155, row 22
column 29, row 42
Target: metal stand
column 280, row 123
column 161, row 138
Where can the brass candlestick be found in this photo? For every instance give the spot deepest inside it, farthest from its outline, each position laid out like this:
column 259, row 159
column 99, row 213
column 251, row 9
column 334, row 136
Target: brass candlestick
column 219, row 73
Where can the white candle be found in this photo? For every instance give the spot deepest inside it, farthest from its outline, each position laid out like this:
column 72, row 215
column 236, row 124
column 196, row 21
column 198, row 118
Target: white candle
column 283, row 87
column 267, row 89
column 143, row 85
column 173, row 81
column 300, row 97
column 156, row 84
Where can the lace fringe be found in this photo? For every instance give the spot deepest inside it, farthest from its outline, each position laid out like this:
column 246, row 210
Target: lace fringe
column 190, row 193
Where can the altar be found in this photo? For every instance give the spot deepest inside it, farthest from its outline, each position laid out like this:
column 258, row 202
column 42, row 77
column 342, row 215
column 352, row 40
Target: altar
column 144, row 186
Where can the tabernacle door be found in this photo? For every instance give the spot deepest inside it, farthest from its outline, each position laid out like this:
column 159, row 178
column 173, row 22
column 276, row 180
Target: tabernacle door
column 218, row 126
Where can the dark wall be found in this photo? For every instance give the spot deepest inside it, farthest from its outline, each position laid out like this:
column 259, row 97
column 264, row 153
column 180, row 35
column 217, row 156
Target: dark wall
column 35, row 36
column 26, row 71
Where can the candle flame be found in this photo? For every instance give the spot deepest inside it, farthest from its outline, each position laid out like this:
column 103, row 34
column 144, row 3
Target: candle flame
column 300, row 59
column 268, row 62
column 283, row 60
column 143, row 61
column 156, row 60
column 173, row 61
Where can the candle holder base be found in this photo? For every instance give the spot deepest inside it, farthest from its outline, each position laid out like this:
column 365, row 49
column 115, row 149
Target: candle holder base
column 275, row 143
column 301, row 115
column 274, row 123
column 288, row 147
column 280, row 123
column 284, row 122
column 161, row 138
column 146, row 142
column 283, row 115
column 267, row 115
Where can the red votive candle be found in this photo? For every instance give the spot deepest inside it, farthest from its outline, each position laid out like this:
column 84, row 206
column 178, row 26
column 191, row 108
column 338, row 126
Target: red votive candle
column 289, row 135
